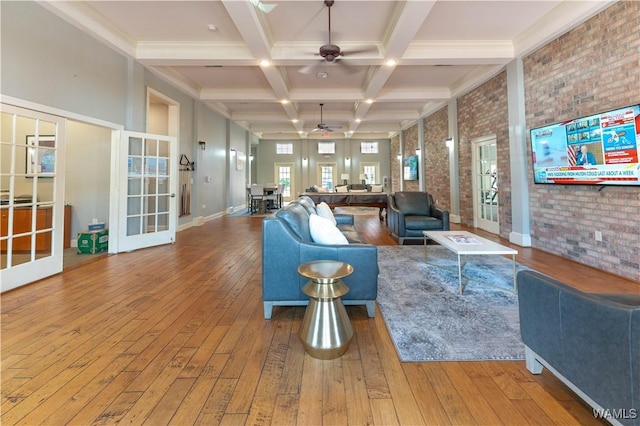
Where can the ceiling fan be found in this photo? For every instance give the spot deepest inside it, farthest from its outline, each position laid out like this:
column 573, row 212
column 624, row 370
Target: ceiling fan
column 330, row 52
column 321, row 127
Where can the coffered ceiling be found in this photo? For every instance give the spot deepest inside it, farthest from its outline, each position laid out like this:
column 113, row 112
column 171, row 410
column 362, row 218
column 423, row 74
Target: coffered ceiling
column 213, row 51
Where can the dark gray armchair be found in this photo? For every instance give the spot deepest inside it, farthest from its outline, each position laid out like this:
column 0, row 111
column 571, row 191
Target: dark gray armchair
column 411, row 212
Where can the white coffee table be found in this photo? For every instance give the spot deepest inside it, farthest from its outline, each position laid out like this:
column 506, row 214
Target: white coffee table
column 464, row 243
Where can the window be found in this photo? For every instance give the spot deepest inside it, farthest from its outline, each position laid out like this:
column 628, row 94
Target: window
column 284, row 148
column 326, row 147
column 369, row 147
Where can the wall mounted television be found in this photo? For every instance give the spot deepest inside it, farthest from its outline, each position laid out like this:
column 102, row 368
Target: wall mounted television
column 600, row 149
column 410, row 167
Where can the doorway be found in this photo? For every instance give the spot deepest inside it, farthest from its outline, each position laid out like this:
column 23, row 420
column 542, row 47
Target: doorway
column 485, row 184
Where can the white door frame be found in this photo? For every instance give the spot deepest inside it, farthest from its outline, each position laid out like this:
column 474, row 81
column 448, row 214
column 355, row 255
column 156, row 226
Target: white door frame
column 478, row 220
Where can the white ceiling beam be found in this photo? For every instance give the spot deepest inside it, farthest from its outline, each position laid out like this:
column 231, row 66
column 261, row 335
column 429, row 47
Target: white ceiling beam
column 400, row 34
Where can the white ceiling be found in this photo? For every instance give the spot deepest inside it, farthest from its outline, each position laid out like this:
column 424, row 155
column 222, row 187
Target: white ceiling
column 444, row 48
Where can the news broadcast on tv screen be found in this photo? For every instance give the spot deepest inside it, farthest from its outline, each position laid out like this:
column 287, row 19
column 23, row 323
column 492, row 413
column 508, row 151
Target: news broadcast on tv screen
column 600, row 149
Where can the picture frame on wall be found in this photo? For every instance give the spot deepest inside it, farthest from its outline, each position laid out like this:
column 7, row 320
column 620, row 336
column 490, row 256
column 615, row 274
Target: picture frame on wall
column 240, row 159
column 41, row 155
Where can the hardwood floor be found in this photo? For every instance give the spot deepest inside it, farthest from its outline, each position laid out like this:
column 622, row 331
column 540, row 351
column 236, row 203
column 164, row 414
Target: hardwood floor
column 176, row 335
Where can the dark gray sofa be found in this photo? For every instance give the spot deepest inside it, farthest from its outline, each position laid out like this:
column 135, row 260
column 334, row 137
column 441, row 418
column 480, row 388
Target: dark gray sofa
column 287, row 243
column 590, row 341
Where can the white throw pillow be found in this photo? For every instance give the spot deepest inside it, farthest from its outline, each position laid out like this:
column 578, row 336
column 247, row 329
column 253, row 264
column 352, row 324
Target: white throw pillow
column 325, row 232
column 343, row 188
column 323, row 189
column 358, row 190
column 324, row 210
column 376, row 188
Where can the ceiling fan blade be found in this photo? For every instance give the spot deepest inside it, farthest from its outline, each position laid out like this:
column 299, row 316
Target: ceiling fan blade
column 350, row 69
column 311, row 68
column 356, row 52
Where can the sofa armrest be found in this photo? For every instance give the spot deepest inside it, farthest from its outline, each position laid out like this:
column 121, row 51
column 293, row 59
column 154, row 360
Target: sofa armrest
column 441, row 214
column 590, row 339
column 343, row 219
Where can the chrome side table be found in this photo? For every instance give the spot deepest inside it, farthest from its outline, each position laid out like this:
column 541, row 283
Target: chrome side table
column 326, row 330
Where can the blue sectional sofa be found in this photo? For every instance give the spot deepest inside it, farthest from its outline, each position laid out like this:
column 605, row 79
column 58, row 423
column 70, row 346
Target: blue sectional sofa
column 589, row 341
column 287, row 243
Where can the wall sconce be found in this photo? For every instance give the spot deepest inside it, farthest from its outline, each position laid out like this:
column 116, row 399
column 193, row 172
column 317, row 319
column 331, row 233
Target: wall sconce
column 344, row 177
column 449, row 143
column 347, row 160
column 418, row 151
column 399, row 157
column 251, row 158
column 304, row 161
column 203, row 145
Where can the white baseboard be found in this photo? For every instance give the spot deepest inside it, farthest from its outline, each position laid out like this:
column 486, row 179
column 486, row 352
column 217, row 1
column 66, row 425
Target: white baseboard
column 523, row 240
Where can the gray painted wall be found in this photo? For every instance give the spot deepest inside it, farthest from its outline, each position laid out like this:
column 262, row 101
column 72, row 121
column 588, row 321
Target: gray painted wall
column 49, row 62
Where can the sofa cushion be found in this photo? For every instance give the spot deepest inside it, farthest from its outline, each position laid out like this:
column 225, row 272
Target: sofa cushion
column 413, row 203
column 307, row 203
column 423, row 223
column 295, row 215
column 323, row 231
column 349, row 231
column 323, row 210
column 342, row 188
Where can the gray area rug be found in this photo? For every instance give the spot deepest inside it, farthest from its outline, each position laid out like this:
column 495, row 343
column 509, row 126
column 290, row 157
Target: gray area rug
column 430, row 321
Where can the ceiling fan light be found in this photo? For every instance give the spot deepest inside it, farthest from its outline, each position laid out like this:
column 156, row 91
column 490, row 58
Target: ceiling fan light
column 265, row 63
column 391, row 63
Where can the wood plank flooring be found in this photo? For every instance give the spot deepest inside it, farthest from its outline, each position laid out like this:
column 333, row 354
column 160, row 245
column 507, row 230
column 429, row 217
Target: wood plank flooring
column 176, row 335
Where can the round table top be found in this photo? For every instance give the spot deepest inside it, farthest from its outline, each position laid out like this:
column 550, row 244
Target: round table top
column 325, row 269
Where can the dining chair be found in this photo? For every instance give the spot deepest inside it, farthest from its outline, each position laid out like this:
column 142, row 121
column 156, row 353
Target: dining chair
column 279, row 192
column 272, row 197
column 257, row 198
column 248, row 198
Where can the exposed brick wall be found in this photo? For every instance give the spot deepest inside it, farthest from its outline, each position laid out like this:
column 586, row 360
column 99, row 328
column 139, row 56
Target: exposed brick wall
column 394, row 163
column 483, row 112
column 436, row 158
column 593, row 68
column 410, row 145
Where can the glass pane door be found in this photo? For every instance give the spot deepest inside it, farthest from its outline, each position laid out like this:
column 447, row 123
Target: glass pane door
column 148, row 207
column 31, row 196
column 284, row 176
column 486, row 185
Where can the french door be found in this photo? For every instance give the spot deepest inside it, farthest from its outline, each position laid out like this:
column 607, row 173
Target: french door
column 327, row 175
column 147, row 204
column 485, row 184
column 31, row 196
column 284, row 176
